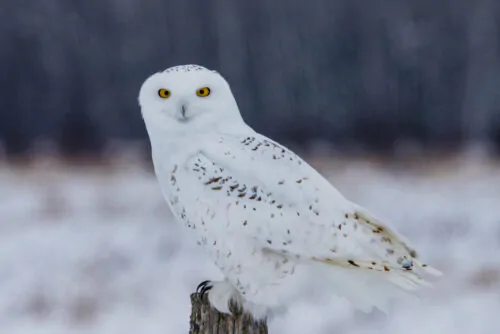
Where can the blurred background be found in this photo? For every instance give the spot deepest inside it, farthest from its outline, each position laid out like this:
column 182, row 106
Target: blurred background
column 397, row 102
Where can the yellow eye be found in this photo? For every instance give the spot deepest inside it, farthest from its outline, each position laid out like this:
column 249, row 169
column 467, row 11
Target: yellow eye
column 203, row 92
column 164, row 93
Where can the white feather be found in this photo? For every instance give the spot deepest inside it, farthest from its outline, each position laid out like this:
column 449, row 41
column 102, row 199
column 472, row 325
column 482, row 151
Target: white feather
column 259, row 210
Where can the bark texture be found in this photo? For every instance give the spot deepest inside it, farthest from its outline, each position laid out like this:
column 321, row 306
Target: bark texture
column 206, row 320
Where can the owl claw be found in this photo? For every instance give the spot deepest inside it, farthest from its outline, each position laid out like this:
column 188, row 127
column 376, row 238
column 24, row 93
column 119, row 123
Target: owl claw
column 202, row 284
column 204, row 287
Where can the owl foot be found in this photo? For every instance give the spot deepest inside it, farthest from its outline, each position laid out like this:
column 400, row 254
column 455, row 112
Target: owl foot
column 221, row 295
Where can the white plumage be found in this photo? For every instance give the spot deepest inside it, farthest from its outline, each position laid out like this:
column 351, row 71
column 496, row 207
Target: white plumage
column 258, row 209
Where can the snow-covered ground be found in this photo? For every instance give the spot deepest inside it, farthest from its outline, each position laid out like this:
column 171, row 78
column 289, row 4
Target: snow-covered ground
column 94, row 249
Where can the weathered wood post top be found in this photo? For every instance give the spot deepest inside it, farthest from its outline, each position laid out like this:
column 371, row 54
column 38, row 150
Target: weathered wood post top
column 207, row 320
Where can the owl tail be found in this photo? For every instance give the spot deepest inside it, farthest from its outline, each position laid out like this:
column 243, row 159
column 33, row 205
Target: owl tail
column 400, row 243
column 368, row 289
column 375, row 283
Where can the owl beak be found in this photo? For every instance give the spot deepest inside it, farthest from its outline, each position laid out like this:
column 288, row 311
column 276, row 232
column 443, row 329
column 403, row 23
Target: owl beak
column 182, row 114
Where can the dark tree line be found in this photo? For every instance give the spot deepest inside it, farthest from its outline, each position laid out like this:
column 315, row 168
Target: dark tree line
column 346, row 71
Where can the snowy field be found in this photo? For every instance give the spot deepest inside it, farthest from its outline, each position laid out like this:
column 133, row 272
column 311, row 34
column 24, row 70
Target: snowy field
column 94, row 249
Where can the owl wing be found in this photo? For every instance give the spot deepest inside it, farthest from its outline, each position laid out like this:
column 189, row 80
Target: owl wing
column 271, row 195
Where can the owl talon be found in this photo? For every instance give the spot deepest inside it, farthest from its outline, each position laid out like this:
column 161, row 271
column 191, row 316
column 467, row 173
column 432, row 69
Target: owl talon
column 204, row 287
column 201, row 285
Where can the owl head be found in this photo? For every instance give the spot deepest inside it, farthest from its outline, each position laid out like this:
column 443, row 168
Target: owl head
column 187, row 97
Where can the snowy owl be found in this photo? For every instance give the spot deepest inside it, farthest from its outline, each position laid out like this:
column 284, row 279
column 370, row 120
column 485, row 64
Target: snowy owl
column 259, row 211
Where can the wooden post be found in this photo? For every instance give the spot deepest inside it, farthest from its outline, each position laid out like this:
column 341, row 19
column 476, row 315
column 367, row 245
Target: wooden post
column 206, row 320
